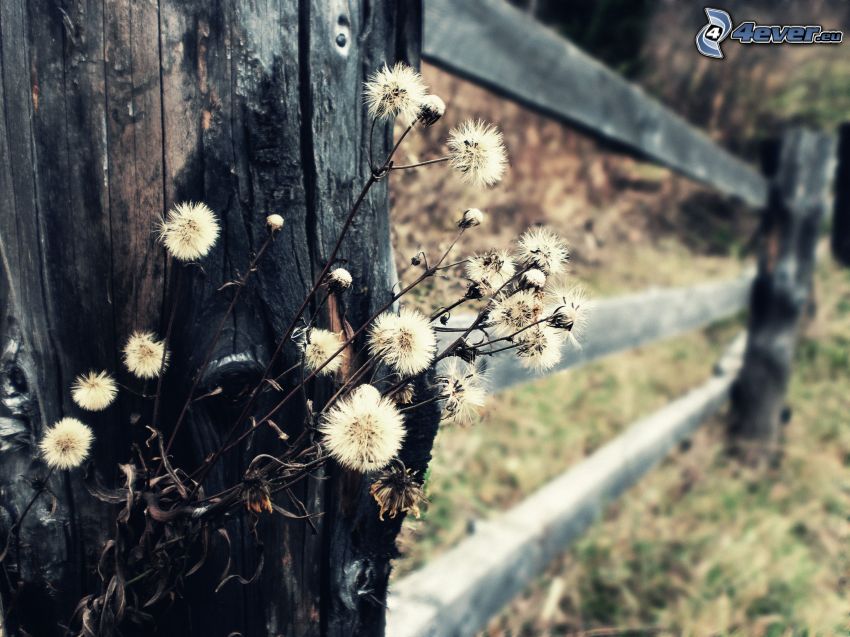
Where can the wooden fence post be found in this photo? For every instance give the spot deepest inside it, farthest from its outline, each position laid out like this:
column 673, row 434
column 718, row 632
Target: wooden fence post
column 799, row 197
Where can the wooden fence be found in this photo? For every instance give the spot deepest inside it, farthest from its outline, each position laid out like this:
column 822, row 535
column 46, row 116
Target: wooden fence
column 491, row 43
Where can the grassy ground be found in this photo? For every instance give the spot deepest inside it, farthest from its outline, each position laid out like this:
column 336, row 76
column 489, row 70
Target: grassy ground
column 701, row 546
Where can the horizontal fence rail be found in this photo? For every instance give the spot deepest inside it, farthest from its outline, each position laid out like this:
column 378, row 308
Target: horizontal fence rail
column 456, row 594
column 625, row 322
column 498, row 46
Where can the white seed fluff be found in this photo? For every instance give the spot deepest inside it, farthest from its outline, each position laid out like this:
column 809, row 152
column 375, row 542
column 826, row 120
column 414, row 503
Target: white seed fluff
column 189, row 231
column 319, row 348
column 568, row 309
column 515, row 312
column 462, row 387
column 66, row 444
column 339, row 279
column 94, row 391
column 471, row 218
column 405, row 342
column 543, row 249
column 534, row 278
column 539, row 347
column 431, row 109
column 274, row 222
column 477, row 152
column 490, row 270
column 363, row 431
column 394, row 91
column 143, row 355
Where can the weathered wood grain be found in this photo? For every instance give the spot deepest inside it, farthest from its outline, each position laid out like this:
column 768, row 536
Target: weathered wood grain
column 800, row 196
column 506, row 50
column 622, row 323
column 457, row 593
column 114, row 111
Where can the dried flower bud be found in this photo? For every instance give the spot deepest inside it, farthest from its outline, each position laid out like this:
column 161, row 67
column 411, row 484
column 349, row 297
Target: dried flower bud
column 404, row 396
column 444, row 319
column 396, row 490
column 431, row 109
column 274, row 222
column 257, row 496
column 534, row 278
column 474, row 291
column 471, row 218
column 339, row 280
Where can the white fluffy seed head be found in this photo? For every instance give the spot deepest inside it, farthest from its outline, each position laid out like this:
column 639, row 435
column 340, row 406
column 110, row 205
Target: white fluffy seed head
column 363, row 431
column 405, row 342
column 568, row 309
column 543, row 249
column 510, row 314
column 321, row 344
column 539, row 347
column 490, row 270
column 534, row 278
column 189, row 231
column 471, row 218
column 431, row 109
column 339, row 280
column 477, row 152
column 394, row 91
column 462, row 387
column 274, row 222
column 143, row 355
column 94, row 391
column 66, row 444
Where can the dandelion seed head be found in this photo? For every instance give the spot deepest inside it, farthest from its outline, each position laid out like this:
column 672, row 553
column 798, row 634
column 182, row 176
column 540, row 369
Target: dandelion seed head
column 462, row 386
column 394, row 91
column 363, row 431
column 477, row 152
column 189, row 231
column 397, row 490
column 543, row 249
column 490, row 270
column 405, row 342
column 339, row 280
column 510, row 314
column 143, row 355
column 321, row 344
column 274, row 222
column 471, row 218
column 431, row 109
column 539, row 347
column 534, row 278
column 568, row 309
column 94, row 391
column 66, row 444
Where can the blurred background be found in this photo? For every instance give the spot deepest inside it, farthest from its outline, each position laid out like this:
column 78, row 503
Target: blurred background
column 702, row 545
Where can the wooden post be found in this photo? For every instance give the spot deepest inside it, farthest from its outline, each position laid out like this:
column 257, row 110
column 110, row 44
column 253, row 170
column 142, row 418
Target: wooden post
column 113, row 111
column 799, row 197
column 841, row 210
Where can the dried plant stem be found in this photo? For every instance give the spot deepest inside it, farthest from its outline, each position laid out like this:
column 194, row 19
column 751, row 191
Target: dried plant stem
column 13, row 530
column 421, row 163
column 216, row 335
column 175, row 296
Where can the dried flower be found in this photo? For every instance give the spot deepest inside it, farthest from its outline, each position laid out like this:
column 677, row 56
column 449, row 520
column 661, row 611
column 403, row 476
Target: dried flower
column 143, row 355
column 471, row 218
column 394, row 91
column 364, row 430
column 339, row 280
column 541, row 248
column 462, row 388
column 405, row 342
column 476, row 151
column 66, row 445
column 539, row 347
column 256, row 496
column 320, row 346
column 568, row 311
column 534, row 278
column 491, row 270
column 189, row 231
column 396, row 490
column 404, row 396
column 274, row 222
column 431, row 109
column 94, row 391
column 515, row 312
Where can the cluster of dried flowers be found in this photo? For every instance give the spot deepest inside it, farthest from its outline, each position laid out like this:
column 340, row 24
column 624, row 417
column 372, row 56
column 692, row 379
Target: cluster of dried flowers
column 521, row 305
